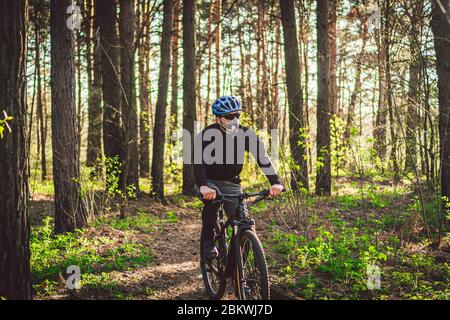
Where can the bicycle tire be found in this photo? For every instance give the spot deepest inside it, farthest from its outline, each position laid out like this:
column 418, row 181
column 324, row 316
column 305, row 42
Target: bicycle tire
column 260, row 265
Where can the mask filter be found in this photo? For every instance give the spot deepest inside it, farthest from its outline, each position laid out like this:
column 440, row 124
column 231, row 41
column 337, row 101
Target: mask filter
column 232, row 126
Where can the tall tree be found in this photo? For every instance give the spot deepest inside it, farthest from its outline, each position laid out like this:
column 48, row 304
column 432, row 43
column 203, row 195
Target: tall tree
column 299, row 172
column 14, row 223
column 441, row 29
column 144, row 96
column 189, row 94
column 94, row 66
column 209, row 65
column 41, row 115
column 129, row 113
column 379, row 131
column 332, row 47
column 218, row 14
column 412, row 117
column 174, row 76
column 105, row 11
column 69, row 209
column 157, row 172
column 323, row 176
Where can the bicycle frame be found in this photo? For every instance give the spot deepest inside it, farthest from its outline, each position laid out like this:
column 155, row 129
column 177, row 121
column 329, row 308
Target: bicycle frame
column 239, row 223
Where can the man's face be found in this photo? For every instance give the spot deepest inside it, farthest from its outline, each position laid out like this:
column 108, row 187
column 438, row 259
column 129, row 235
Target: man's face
column 223, row 120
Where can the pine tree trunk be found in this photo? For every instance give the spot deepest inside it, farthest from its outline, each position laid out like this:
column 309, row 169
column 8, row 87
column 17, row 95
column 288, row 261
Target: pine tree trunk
column 218, row 40
column 78, row 98
column 129, row 113
column 15, row 280
column 94, row 58
column 174, row 79
column 189, row 94
column 332, row 47
column 299, row 174
column 389, row 92
column 412, row 117
column 144, row 101
column 275, row 110
column 105, row 11
column 69, row 210
column 208, row 86
column 242, row 92
column 441, row 29
column 380, row 122
column 159, row 136
column 41, row 117
column 259, row 109
column 323, row 176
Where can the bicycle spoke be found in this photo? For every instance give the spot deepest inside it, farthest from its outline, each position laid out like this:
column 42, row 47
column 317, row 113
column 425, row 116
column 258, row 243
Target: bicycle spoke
column 251, row 275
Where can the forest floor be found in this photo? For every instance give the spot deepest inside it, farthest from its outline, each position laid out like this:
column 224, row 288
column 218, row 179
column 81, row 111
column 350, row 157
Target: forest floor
column 315, row 249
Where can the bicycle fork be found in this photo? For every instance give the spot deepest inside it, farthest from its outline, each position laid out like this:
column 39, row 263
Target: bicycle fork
column 239, row 264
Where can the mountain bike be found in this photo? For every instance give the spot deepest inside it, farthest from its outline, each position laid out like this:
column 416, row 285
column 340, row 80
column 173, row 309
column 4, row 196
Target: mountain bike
column 241, row 256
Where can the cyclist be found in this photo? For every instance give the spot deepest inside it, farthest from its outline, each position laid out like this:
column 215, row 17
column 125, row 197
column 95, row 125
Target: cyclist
column 218, row 165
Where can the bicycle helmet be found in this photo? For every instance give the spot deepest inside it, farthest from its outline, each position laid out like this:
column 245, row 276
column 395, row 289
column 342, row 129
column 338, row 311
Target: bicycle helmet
column 226, row 104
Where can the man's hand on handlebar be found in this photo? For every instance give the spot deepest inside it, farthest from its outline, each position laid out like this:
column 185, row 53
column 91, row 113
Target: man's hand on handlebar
column 275, row 190
column 208, row 193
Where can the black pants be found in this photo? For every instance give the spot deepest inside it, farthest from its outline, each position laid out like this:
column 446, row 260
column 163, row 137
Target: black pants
column 211, row 209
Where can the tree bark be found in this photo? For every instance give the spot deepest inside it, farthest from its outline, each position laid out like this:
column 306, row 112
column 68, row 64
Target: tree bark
column 130, row 176
column 299, row 173
column 323, row 176
column 218, row 14
column 332, row 47
column 69, row 210
column 159, row 135
column 189, row 94
column 94, row 146
column 144, row 101
column 441, row 29
column 105, row 11
column 208, row 85
column 15, row 280
column 41, row 116
column 380, row 122
column 412, row 116
column 174, row 78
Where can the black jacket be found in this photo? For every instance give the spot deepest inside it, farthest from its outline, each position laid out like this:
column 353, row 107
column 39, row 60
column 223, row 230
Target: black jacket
column 222, row 155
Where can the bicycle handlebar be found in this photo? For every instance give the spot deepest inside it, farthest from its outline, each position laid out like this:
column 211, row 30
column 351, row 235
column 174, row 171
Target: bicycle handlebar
column 261, row 195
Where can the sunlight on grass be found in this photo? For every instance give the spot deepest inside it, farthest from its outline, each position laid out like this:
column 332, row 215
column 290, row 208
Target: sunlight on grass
column 96, row 256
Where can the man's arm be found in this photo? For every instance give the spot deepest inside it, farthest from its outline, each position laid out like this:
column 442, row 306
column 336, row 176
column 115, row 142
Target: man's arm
column 259, row 152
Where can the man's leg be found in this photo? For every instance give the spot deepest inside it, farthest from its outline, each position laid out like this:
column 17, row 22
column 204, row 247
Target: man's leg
column 209, row 218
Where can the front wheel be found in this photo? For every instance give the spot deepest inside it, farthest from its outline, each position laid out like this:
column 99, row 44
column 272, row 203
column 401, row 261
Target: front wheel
column 252, row 276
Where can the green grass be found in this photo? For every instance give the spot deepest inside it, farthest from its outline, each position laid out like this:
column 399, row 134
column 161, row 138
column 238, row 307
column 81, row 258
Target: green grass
column 45, row 187
column 142, row 221
column 96, row 256
column 333, row 262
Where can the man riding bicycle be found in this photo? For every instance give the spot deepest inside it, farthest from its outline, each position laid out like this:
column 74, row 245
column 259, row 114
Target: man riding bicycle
column 218, row 165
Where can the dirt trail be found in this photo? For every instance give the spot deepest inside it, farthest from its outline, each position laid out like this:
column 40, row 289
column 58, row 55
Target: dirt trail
column 175, row 273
